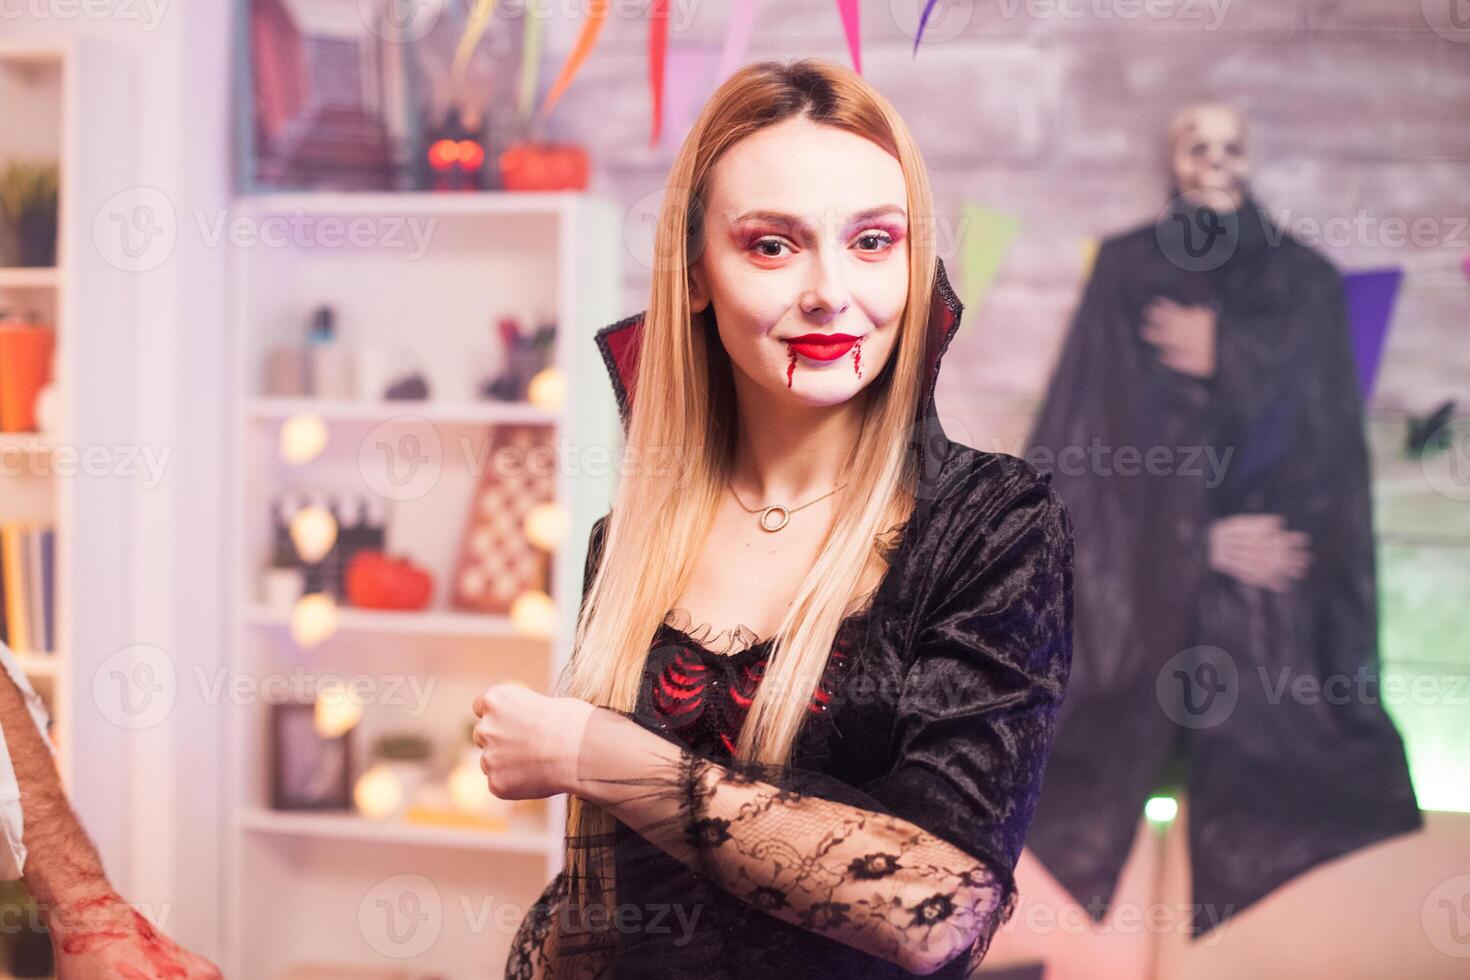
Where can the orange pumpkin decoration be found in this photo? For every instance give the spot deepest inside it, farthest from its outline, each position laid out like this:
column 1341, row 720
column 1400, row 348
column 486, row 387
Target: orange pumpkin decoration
column 527, row 166
column 376, row 581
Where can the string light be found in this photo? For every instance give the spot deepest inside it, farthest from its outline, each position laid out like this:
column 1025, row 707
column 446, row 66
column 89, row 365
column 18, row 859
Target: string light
column 546, row 526
column 336, row 712
column 532, row 613
column 303, row 438
column 547, row 390
column 313, row 532
column 313, row 619
column 378, row 792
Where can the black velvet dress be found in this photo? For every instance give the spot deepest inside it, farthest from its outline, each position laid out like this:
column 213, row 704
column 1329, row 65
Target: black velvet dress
column 920, row 762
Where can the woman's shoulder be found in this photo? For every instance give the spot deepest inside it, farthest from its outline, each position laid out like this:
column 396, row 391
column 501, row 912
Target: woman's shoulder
column 976, row 489
column 999, row 552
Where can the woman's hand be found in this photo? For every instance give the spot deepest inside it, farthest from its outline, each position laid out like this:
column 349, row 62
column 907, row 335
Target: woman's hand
column 104, row 936
column 528, row 741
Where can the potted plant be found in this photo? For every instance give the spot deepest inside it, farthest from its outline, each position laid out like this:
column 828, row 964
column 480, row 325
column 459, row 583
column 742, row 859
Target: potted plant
column 28, row 202
column 391, row 785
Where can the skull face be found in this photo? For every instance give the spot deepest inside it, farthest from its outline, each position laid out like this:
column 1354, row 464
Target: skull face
column 1209, row 155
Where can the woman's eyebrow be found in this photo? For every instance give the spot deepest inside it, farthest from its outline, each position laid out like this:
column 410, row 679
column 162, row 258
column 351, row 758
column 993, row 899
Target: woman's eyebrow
column 797, row 223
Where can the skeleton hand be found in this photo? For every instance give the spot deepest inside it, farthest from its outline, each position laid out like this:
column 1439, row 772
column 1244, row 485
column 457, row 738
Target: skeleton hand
column 1257, row 550
column 1184, row 336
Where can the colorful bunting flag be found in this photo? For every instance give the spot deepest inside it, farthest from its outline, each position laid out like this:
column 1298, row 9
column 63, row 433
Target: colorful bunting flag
column 586, row 41
column 1370, row 300
column 986, row 236
column 737, row 37
column 849, row 11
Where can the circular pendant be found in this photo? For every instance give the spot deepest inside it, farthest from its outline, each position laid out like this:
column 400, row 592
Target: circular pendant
column 766, row 516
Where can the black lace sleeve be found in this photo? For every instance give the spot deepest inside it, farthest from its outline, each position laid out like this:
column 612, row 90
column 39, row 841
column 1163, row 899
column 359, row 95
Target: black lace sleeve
column 549, row 945
column 916, row 868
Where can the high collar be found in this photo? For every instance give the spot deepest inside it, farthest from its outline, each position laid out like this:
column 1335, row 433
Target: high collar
column 620, row 343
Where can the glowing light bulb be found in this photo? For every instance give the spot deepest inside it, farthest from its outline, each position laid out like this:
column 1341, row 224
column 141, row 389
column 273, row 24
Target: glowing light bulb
column 532, row 613
column 546, row 526
column 378, row 792
column 336, row 712
column 303, row 437
column 547, row 390
column 470, row 792
column 313, row 619
column 313, row 532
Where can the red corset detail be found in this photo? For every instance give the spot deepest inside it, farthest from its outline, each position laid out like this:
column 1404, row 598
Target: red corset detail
column 704, row 696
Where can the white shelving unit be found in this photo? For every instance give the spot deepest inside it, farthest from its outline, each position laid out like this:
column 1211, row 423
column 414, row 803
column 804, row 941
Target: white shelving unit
column 34, row 79
column 30, row 278
column 45, row 118
column 375, row 621
column 63, row 101
column 280, row 409
column 522, row 840
column 305, row 886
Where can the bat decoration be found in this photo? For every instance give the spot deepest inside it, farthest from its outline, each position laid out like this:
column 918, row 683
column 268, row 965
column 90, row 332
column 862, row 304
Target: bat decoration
column 1429, row 434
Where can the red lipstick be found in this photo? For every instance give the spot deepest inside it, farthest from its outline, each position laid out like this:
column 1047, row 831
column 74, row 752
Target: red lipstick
column 822, row 346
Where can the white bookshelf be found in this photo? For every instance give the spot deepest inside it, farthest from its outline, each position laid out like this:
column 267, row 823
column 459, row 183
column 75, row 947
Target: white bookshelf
column 525, row 838
column 426, row 623
column 63, row 100
column 449, row 413
column 34, row 79
column 39, row 277
column 299, row 881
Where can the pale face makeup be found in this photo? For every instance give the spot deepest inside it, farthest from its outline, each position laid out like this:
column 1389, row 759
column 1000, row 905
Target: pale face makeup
column 1210, row 156
column 805, row 236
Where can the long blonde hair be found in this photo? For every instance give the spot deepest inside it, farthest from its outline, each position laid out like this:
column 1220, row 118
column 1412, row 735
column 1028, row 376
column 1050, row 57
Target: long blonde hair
column 661, row 515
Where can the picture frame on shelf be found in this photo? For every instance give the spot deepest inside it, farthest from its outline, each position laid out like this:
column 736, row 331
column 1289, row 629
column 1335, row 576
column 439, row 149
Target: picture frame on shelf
column 308, row 771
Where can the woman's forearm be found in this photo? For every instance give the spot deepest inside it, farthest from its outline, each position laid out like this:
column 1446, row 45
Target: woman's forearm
column 868, row 879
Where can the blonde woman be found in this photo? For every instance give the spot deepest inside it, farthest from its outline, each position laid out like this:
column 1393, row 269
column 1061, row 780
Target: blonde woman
column 839, row 781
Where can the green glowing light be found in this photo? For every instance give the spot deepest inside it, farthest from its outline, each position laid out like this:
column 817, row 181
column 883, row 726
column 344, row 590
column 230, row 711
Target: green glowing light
column 1161, row 809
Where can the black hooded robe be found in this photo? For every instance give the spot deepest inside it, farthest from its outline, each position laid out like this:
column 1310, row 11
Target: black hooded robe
column 1172, row 657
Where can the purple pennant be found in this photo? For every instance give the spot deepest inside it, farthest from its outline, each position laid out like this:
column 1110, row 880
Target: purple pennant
column 1370, row 299
column 923, row 22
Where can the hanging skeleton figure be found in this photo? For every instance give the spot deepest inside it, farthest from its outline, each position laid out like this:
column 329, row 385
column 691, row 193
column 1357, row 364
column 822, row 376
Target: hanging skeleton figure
column 1205, row 428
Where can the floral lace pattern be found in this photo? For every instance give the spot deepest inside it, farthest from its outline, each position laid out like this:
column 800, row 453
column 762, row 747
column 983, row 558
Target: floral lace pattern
column 873, row 892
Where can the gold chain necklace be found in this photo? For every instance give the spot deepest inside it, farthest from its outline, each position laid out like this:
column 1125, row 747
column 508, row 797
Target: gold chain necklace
column 786, row 512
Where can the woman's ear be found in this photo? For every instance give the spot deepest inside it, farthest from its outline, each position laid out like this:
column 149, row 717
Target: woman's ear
column 699, row 297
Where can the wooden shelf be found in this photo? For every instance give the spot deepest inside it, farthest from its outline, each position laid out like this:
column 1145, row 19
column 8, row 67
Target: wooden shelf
column 476, row 203
column 39, row 664
column 465, row 413
column 31, row 443
column 41, row 53
column 22, row 277
column 428, row 623
column 349, row 827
